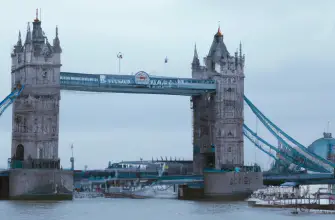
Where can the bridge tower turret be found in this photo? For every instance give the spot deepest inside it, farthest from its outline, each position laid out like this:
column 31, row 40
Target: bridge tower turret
column 36, row 64
column 218, row 118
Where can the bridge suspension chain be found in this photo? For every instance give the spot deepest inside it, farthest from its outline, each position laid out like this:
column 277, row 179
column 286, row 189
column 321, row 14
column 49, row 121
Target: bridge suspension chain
column 301, row 156
column 259, row 142
column 10, row 98
column 255, row 141
column 324, row 165
column 285, row 136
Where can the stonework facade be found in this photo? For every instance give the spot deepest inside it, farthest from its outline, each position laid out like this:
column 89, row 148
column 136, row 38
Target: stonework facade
column 232, row 185
column 41, row 184
column 36, row 65
column 218, row 118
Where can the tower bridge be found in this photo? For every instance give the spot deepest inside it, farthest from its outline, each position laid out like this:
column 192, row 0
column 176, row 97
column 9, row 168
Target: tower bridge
column 216, row 92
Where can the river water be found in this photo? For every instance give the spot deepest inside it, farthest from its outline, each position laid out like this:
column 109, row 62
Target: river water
column 146, row 209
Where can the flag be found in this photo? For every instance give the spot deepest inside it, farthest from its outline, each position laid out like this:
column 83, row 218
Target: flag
column 166, row 60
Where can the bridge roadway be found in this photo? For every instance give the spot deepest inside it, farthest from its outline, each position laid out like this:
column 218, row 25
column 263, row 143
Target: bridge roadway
column 308, row 179
column 96, row 175
column 268, row 179
column 141, row 82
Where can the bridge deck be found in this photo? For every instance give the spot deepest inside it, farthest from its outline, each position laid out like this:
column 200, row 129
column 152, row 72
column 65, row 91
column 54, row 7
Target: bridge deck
column 315, row 176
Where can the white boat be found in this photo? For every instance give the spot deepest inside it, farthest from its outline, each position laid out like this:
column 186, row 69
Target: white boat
column 86, row 195
column 140, row 191
column 157, row 191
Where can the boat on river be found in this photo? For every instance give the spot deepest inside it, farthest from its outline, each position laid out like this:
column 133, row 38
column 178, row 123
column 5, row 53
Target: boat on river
column 142, row 191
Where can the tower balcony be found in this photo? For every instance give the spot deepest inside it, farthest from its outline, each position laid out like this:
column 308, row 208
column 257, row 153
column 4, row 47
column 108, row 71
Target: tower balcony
column 32, row 136
column 204, row 149
column 34, row 163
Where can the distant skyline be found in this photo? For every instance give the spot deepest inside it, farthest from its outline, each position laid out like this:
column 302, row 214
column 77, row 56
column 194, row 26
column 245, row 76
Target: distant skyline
column 290, row 71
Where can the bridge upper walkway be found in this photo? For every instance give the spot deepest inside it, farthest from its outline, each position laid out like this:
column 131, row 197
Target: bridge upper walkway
column 135, row 84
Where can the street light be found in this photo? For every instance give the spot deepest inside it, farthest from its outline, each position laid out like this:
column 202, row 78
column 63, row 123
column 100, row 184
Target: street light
column 119, row 56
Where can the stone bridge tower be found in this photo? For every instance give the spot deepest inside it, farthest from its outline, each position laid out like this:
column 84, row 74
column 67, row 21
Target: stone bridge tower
column 218, row 118
column 36, row 65
column 36, row 172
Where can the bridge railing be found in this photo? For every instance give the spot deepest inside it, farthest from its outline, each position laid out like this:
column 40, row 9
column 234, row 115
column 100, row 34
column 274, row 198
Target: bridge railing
column 232, row 168
column 34, row 164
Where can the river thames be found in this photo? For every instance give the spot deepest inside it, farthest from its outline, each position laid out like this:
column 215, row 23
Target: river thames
column 148, row 209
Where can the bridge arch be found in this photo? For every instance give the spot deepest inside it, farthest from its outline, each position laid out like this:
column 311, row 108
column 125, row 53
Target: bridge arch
column 19, row 152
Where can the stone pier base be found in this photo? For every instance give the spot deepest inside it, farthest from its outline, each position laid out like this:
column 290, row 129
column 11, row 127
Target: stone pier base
column 231, row 185
column 40, row 184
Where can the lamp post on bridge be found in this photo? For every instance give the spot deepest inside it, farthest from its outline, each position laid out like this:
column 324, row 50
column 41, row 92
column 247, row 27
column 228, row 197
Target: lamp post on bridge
column 119, row 56
column 72, row 158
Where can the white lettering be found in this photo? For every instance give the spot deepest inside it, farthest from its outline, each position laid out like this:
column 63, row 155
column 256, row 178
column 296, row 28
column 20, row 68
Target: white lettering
column 119, row 81
column 158, row 82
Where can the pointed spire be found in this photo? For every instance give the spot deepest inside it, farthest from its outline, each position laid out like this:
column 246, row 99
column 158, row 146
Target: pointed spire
column 195, row 62
column 18, row 47
column 219, row 33
column 56, row 43
column 19, row 40
column 218, row 48
column 195, row 51
column 240, row 49
column 36, row 18
column 28, row 35
column 37, row 33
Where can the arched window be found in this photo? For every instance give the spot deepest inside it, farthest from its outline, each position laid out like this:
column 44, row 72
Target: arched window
column 40, row 153
column 19, row 152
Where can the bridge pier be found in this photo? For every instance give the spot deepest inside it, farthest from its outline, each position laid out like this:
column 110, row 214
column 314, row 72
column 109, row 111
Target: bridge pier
column 218, row 151
column 35, row 168
column 40, row 184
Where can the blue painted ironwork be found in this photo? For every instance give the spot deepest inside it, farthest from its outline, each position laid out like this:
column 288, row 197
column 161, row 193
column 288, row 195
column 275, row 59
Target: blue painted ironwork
column 248, row 134
column 179, row 182
column 4, row 172
column 10, row 98
column 138, row 83
column 297, row 154
column 289, row 155
column 322, row 164
column 299, row 177
column 181, row 177
column 305, row 179
column 281, row 132
column 259, row 142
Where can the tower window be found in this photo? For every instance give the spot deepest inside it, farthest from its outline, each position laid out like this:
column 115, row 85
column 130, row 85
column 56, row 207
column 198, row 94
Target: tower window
column 229, row 89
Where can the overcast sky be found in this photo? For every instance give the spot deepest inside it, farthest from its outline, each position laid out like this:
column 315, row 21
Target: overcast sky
column 290, row 73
